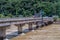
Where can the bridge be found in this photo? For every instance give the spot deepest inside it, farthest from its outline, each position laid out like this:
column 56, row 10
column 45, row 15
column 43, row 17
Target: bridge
column 19, row 22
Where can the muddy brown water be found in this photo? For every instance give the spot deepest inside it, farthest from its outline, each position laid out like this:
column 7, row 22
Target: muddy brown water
column 51, row 32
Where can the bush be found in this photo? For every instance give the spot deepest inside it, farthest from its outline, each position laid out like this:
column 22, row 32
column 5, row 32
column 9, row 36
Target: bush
column 55, row 18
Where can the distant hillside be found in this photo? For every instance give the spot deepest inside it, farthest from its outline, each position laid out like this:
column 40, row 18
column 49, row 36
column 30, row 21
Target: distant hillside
column 25, row 8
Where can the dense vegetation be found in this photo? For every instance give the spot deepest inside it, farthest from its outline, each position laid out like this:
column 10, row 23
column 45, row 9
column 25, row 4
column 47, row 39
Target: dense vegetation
column 17, row 8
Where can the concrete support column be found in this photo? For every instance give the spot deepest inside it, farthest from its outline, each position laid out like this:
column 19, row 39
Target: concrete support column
column 20, row 28
column 37, row 24
column 46, row 23
column 30, row 26
column 2, row 33
column 42, row 24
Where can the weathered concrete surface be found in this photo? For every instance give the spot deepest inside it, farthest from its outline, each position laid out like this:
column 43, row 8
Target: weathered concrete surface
column 3, row 32
column 51, row 32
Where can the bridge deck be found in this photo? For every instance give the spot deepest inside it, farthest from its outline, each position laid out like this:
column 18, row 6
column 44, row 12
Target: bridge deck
column 19, row 22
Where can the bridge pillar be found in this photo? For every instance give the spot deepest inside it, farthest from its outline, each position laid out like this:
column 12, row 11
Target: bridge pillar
column 37, row 24
column 30, row 26
column 46, row 23
column 19, row 28
column 2, row 33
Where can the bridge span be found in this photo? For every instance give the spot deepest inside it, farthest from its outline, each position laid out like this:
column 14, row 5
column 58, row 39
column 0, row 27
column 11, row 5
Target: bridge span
column 19, row 22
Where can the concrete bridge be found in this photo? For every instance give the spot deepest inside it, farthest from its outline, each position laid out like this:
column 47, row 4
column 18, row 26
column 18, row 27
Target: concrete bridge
column 19, row 22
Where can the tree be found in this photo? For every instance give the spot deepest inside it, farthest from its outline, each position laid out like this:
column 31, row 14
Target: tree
column 15, row 8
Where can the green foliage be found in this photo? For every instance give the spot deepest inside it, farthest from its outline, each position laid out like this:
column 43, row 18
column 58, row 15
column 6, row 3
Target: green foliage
column 55, row 18
column 26, row 8
column 1, row 16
